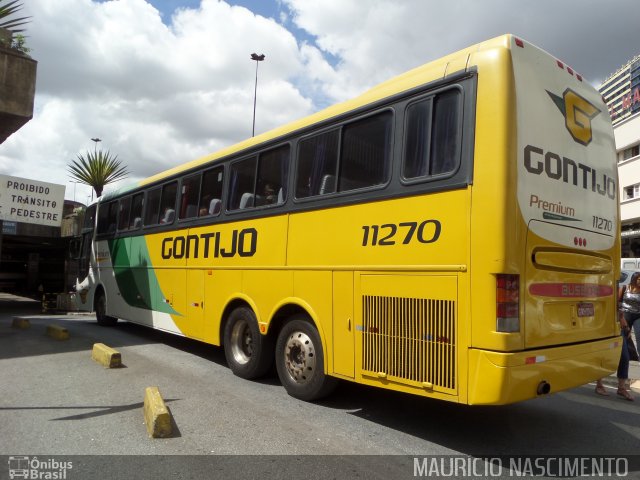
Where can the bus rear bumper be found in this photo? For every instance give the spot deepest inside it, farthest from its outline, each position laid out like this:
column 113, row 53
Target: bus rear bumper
column 497, row 378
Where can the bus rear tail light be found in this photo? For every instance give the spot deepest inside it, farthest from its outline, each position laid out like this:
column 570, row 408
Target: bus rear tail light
column 507, row 303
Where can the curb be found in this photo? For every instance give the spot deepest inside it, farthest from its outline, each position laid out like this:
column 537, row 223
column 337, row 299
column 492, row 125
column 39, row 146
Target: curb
column 106, row 356
column 21, row 323
column 156, row 414
column 57, row 332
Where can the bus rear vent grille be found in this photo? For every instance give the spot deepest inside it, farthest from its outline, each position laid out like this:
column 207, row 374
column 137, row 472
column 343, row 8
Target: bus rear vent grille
column 410, row 340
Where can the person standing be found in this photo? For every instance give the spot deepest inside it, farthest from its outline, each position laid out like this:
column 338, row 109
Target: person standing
column 629, row 298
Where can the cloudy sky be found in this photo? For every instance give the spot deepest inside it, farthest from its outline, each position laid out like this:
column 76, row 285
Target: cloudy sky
column 162, row 82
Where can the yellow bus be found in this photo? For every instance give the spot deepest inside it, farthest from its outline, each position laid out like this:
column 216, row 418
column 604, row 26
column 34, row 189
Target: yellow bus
column 451, row 233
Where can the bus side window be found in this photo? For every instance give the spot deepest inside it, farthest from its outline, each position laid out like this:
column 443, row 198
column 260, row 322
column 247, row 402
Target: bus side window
column 365, row 152
column 152, row 210
column 168, row 203
column 317, row 164
column 273, row 167
column 103, row 218
column 445, row 150
column 135, row 219
column 211, row 192
column 113, row 217
column 123, row 216
column 432, row 144
column 418, row 137
column 242, row 183
column 190, row 193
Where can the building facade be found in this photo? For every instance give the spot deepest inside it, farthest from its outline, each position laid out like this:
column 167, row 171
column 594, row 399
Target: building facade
column 621, row 92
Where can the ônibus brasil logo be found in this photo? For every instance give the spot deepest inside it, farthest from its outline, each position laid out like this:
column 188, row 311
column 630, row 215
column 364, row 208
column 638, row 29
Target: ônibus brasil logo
column 577, row 112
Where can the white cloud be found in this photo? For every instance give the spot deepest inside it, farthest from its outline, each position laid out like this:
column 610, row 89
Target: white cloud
column 157, row 94
column 377, row 39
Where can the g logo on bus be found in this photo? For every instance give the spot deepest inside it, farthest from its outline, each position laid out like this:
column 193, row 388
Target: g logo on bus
column 577, row 113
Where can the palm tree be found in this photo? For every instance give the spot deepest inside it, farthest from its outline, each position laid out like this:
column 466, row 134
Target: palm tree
column 10, row 8
column 97, row 169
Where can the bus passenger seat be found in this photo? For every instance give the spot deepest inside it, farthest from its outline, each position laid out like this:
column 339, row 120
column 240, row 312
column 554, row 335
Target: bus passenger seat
column 191, row 211
column 214, row 206
column 169, row 215
column 328, row 184
column 137, row 222
column 246, row 200
column 280, row 196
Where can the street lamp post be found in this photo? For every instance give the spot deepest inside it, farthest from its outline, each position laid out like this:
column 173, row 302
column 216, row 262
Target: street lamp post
column 96, row 140
column 257, row 58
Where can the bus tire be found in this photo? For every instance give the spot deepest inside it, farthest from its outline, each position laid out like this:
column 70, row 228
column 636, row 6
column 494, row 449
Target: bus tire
column 249, row 353
column 103, row 319
column 300, row 361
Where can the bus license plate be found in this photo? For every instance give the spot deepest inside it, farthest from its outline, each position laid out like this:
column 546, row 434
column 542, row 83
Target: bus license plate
column 585, row 310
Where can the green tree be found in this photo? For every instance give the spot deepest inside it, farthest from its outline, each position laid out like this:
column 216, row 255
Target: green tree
column 97, row 169
column 8, row 9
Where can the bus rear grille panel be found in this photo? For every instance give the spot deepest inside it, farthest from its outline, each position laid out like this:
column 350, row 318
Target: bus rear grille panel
column 410, row 339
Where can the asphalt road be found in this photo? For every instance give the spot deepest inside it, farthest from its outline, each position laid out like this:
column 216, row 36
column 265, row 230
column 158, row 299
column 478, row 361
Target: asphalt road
column 57, row 402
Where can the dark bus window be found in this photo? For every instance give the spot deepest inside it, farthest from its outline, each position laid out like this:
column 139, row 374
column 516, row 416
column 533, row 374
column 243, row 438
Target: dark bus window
column 242, row 184
column 446, row 134
column 123, row 216
column 168, row 203
column 103, row 218
column 152, row 210
column 135, row 219
column 273, row 166
column 113, row 217
column 211, row 192
column 317, row 165
column 432, row 144
column 107, row 217
column 189, row 195
column 90, row 217
column 418, row 127
column 365, row 153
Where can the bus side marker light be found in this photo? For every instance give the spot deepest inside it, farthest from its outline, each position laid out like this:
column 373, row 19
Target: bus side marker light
column 537, row 359
column 57, row 332
column 263, row 328
column 106, row 356
column 156, row 414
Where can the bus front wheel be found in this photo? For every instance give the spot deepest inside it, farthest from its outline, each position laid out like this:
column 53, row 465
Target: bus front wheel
column 101, row 311
column 300, row 361
column 248, row 352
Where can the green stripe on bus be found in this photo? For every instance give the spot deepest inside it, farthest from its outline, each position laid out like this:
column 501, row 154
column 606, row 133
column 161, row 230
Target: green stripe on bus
column 135, row 276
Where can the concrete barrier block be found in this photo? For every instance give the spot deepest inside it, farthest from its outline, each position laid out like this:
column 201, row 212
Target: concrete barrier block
column 21, row 323
column 156, row 414
column 106, row 356
column 57, row 332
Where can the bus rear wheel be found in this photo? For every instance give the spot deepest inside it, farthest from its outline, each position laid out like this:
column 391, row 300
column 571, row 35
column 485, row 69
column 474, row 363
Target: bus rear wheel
column 300, row 361
column 101, row 311
column 248, row 352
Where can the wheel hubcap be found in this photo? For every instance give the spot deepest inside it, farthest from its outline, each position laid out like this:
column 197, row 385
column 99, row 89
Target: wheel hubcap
column 241, row 342
column 300, row 357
